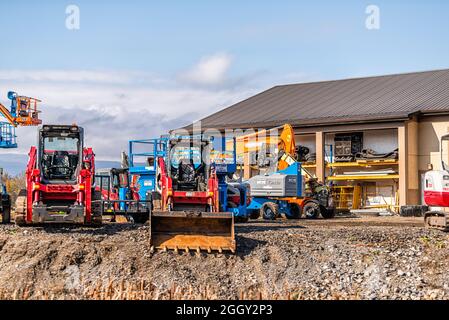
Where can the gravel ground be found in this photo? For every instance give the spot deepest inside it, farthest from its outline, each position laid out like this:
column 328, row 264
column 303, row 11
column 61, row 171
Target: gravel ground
column 343, row 258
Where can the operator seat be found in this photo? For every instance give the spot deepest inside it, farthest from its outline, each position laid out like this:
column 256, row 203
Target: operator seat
column 186, row 171
column 60, row 164
column 186, row 175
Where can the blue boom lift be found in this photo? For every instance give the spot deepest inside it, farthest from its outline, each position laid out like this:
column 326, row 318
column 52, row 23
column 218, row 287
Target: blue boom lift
column 285, row 191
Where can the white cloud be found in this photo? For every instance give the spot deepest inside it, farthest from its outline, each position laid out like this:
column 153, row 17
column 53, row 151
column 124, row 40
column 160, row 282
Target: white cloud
column 117, row 106
column 81, row 76
column 210, row 70
column 113, row 114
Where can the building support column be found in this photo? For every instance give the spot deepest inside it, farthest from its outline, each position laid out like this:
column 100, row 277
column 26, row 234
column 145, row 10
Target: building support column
column 320, row 156
column 403, row 171
column 246, row 161
column 409, row 179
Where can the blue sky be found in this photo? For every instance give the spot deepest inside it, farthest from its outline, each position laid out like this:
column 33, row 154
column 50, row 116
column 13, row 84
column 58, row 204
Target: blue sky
column 138, row 68
column 320, row 37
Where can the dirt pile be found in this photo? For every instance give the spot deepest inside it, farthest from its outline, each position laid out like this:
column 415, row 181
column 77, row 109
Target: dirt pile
column 364, row 258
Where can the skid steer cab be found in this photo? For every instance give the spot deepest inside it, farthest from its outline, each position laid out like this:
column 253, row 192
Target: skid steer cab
column 121, row 201
column 59, row 180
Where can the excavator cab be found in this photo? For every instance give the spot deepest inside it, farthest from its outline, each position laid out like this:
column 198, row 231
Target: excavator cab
column 188, row 216
column 436, row 192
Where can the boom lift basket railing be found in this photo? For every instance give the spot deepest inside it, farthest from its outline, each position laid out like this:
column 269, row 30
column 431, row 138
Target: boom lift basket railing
column 7, row 136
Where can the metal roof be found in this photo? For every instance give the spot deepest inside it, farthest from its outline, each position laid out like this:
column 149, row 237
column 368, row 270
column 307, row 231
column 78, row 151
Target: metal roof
column 351, row 100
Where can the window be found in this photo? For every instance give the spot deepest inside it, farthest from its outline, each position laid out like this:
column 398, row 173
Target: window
column 186, row 153
column 68, row 144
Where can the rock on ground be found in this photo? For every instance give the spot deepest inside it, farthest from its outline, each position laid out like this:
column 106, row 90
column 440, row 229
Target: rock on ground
column 343, row 258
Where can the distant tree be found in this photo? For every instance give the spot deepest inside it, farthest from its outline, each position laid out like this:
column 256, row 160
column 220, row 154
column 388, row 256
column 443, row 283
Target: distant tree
column 14, row 184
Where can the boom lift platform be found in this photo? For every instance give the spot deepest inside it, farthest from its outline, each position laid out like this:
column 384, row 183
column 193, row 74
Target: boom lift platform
column 22, row 112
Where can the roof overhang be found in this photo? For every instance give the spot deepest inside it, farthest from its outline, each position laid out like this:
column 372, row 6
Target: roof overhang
column 387, row 120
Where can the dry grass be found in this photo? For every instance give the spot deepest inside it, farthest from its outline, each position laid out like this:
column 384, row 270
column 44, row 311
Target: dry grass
column 142, row 290
column 125, row 290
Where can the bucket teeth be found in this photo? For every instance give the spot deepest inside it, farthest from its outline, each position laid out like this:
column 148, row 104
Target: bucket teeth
column 182, row 232
column 194, row 250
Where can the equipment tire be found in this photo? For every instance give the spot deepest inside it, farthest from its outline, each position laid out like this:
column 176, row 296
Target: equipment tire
column 254, row 215
column 241, row 219
column 20, row 220
column 140, row 217
column 413, row 211
column 269, row 211
column 311, row 210
column 6, row 214
column 328, row 213
column 96, row 217
column 295, row 211
column 237, row 219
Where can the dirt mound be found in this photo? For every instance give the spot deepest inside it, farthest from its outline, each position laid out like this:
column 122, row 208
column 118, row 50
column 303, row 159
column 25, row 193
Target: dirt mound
column 338, row 259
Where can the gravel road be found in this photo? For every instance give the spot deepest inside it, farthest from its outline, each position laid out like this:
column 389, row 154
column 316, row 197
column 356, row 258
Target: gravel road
column 343, row 258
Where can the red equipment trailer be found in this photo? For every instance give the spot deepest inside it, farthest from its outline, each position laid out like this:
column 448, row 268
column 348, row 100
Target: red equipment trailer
column 59, row 180
column 120, row 197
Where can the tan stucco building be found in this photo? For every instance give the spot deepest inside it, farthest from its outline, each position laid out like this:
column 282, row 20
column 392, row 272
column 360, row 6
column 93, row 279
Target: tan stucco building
column 408, row 112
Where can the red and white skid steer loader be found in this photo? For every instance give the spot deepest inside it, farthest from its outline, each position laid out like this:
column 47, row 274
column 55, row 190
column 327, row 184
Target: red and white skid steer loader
column 436, row 193
column 59, row 180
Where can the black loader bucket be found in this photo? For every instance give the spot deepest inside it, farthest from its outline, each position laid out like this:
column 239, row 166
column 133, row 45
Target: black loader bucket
column 192, row 231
